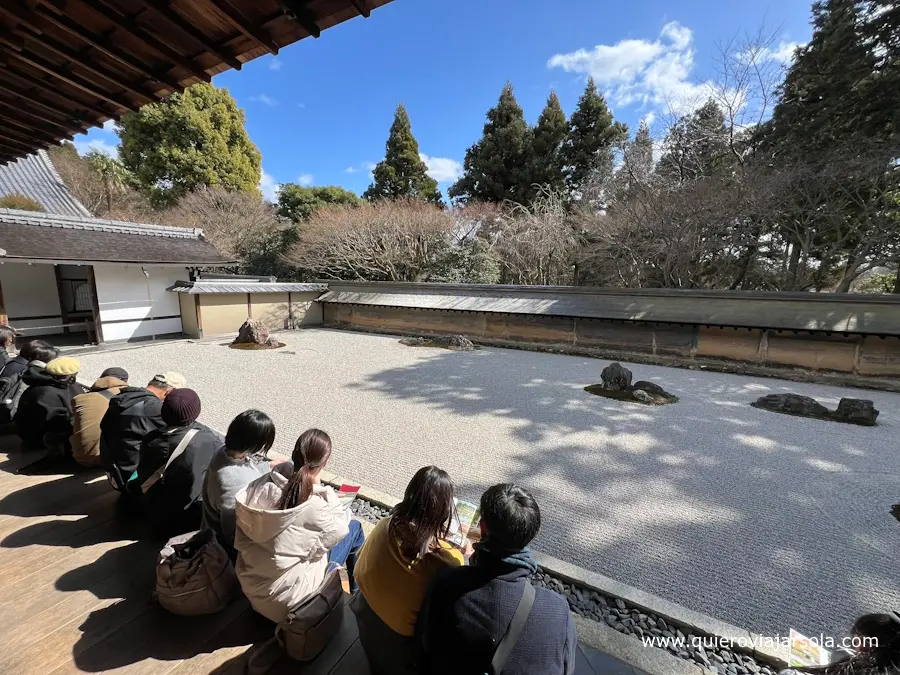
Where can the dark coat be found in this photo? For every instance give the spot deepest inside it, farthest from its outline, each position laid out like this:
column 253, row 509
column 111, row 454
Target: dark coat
column 13, row 366
column 174, row 503
column 133, row 413
column 45, row 407
column 469, row 609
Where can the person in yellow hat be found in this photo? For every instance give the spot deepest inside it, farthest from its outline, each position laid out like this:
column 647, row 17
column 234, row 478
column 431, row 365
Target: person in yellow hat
column 45, row 409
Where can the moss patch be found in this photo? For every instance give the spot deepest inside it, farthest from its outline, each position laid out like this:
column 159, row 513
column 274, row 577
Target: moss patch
column 627, row 395
column 253, row 346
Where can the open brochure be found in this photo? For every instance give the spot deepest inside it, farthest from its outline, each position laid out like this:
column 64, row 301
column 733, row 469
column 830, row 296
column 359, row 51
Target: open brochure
column 347, row 493
column 807, row 652
column 465, row 516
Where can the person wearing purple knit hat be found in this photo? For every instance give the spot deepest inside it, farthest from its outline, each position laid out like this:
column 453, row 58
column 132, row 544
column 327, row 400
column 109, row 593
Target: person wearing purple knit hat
column 173, row 464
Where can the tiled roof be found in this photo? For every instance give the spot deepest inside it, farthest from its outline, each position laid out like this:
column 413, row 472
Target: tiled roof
column 26, row 235
column 243, row 286
column 34, row 176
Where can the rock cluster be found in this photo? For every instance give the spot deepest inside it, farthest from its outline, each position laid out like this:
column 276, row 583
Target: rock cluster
column 849, row 410
column 459, row 343
column 616, row 383
column 620, row 616
column 255, row 332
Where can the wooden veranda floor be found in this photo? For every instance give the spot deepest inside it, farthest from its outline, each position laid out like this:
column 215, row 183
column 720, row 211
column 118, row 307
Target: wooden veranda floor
column 76, row 580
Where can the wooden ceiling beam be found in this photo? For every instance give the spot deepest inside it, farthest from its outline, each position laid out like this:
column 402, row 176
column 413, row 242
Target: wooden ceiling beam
column 55, row 71
column 52, row 119
column 130, row 26
column 105, row 46
column 76, row 112
column 16, row 149
column 361, row 7
column 72, row 56
column 299, row 12
column 240, row 23
column 162, row 8
column 12, row 140
column 27, row 131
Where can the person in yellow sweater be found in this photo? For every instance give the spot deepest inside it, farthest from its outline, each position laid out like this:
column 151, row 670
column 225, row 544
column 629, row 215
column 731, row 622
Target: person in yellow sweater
column 395, row 569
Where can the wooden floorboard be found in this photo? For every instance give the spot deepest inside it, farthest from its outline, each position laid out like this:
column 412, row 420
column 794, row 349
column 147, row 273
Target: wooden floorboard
column 77, row 576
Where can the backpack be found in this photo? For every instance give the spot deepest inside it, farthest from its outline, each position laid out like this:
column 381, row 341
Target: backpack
column 194, row 575
column 11, row 389
column 308, row 628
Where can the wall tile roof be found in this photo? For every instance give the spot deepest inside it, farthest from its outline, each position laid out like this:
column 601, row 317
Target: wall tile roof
column 35, row 177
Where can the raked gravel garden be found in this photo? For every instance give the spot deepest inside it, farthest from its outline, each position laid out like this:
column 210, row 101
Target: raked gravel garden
column 762, row 520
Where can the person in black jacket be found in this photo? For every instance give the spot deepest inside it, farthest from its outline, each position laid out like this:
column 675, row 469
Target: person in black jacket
column 44, row 414
column 174, row 502
column 469, row 609
column 133, row 413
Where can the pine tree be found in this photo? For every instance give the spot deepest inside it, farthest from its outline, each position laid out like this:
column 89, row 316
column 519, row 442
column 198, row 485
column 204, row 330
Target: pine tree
column 637, row 161
column 697, row 145
column 402, row 173
column 547, row 141
column 593, row 135
column 496, row 168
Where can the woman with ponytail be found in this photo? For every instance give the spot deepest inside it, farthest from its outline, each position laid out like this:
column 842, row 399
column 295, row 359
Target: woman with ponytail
column 289, row 527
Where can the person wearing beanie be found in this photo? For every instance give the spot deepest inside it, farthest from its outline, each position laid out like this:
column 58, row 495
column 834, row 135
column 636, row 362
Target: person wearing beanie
column 133, row 413
column 170, row 484
column 44, row 413
column 88, row 411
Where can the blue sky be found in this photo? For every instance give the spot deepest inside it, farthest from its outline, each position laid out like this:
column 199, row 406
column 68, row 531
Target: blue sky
column 320, row 111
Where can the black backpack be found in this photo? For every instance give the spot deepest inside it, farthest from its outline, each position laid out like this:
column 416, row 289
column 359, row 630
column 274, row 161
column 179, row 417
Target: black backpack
column 11, row 388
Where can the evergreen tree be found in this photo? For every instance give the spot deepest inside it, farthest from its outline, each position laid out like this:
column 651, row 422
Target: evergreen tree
column 191, row 139
column 402, row 173
column 496, row 167
column 697, row 145
column 547, row 140
column 297, row 203
column 593, row 136
column 637, row 161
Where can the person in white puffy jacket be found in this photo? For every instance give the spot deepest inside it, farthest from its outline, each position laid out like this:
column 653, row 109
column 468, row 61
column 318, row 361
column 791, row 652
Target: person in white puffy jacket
column 290, row 529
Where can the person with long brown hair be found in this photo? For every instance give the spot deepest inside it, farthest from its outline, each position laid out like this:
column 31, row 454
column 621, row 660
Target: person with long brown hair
column 290, row 528
column 401, row 557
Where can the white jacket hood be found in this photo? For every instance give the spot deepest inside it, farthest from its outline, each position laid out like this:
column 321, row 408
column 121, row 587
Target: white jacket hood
column 282, row 553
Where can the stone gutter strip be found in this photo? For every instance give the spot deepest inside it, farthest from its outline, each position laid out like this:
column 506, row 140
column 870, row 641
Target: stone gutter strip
column 627, row 648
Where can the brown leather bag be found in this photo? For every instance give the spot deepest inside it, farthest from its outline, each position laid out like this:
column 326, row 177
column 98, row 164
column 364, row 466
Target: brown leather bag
column 194, row 575
column 309, row 627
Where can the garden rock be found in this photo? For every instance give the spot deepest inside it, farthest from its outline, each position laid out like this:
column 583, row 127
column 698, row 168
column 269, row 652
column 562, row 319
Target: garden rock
column 849, row 410
column 857, row 411
column 253, row 332
column 458, row 343
column 616, row 377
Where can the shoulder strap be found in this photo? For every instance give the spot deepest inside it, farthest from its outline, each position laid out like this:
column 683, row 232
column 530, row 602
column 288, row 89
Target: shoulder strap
column 176, row 453
column 511, row 637
column 106, row 393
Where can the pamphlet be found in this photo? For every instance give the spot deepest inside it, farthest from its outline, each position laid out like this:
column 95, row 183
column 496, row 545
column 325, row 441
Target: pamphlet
column 347, row 493
column 465, row 516
column 807, row 652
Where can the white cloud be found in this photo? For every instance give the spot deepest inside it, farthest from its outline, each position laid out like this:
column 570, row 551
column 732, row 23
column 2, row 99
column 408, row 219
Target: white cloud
column 362, row 166
column 351, row 169
column 85, row 146
column 301, row 105
column 305, row 179
column 783, row 53
column 264, row 99
column 268, row 186
column 275, row 63
column 109, row 126
column 653, row 73
column 442, row 169
column 649, row 118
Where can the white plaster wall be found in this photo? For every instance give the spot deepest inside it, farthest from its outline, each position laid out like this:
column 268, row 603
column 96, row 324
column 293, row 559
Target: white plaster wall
column 133, row 306
column 30, row 290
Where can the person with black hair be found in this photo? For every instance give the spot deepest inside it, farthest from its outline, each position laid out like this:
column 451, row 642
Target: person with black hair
column 878, row 653
column 469, row 610
column 7, row 344
column 402, row 556
column 34, row 357
column 239, row 462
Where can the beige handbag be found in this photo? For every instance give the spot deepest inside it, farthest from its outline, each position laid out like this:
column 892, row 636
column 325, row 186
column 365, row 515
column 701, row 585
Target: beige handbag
column 194, row 575
column 309, row 627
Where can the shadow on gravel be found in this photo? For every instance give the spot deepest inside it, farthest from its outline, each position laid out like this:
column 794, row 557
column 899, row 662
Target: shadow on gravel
column 710, row 503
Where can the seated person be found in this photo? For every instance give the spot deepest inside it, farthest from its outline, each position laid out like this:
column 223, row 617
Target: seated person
column 401, row 557
column 9, row 365
column 290, row 529
column 44, row 414
column 87, row 412
column 878, row 653
column 173, row 501
column 240, row 461
column 133, row 413
column 469, row 609
column 34, row 352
